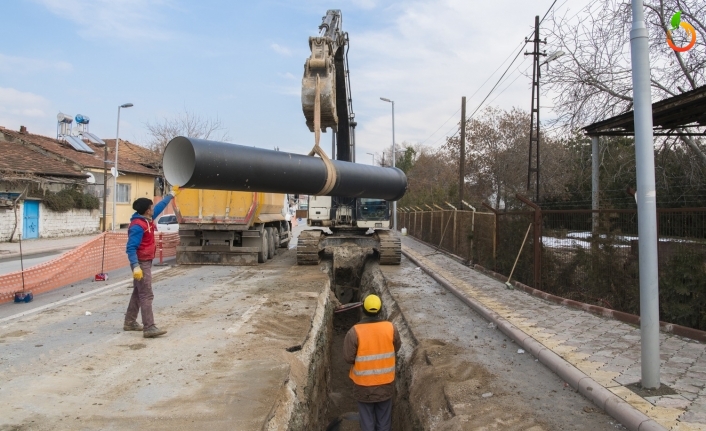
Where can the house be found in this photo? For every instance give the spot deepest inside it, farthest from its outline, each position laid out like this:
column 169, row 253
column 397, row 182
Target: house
column 139, row 172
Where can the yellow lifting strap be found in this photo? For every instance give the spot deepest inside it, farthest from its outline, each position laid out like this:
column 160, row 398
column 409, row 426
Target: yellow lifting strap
column 330, row 169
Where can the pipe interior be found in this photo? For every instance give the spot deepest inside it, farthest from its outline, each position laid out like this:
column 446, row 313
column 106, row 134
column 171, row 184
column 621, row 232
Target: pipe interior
column 179, row 161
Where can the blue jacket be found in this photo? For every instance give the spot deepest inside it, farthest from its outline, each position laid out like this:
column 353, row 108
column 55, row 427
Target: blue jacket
column 135, row 232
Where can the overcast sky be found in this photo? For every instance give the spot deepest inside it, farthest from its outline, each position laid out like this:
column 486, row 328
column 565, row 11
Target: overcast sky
column 243, row 61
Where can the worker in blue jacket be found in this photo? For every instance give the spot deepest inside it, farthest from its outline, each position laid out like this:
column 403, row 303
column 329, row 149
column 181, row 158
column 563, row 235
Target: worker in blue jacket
column 140, row 250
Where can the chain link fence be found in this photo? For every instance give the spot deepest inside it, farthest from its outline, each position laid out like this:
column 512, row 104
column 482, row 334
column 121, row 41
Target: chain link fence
column 583, row 255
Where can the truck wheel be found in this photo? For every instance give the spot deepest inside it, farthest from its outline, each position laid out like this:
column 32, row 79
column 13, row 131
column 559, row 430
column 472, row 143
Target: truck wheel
column 271, row 243
column 264, row 248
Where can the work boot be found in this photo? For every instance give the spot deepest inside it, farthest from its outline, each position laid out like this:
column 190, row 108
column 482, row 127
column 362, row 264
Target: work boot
column 132, row 326
column 153, row 331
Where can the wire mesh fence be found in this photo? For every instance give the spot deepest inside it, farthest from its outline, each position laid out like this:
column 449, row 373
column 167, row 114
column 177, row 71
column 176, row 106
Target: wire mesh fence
column 584, row 255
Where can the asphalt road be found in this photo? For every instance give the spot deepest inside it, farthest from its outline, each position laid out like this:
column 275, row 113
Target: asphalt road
column 12, row 264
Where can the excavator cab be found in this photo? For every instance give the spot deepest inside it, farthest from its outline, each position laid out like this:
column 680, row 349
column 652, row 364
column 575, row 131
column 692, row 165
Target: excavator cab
column 348, row 213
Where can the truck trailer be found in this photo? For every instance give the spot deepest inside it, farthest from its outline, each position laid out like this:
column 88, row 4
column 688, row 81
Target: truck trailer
column 232, row 228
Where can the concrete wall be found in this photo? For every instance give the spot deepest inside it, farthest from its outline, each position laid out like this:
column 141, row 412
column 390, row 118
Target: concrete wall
column 51, row 224
column 7, row 222
column 70, row 223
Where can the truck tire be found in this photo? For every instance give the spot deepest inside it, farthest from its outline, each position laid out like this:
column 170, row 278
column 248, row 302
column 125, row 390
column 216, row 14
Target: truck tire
column 271, row 243
column 264, row 248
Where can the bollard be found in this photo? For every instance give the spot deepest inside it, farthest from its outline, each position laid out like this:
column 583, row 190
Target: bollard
column 160, row 245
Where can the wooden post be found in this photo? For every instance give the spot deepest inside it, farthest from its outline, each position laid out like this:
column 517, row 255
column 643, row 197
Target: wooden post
column 537, row 241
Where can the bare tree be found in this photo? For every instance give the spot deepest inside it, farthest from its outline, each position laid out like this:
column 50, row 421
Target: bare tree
column 593, row 81
column 496, row 164
column 184, row 124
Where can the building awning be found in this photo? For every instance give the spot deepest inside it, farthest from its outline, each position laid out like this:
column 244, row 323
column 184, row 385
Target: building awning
column 686, row 111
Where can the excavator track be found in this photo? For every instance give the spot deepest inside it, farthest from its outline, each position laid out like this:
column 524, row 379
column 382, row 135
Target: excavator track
column 308, row 247
column 390, row 248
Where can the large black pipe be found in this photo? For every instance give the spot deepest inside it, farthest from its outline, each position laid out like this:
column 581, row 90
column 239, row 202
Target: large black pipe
column 202, row 164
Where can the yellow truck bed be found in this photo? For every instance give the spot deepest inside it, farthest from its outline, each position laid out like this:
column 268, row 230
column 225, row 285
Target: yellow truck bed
column 231, row 228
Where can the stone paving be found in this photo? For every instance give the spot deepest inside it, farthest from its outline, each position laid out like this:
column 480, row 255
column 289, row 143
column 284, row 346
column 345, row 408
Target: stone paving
column 606, row 350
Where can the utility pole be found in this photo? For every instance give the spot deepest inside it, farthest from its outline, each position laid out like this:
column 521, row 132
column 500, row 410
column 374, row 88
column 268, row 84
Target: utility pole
column 462, row 161
column 646, row 199
column 533, row 164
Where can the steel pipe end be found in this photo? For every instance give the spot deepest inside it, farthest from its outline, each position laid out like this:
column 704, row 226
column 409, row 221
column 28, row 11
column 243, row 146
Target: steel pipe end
column 179, row 161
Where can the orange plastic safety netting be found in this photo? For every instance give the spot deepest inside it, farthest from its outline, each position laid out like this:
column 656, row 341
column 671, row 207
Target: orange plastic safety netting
column 85, row 261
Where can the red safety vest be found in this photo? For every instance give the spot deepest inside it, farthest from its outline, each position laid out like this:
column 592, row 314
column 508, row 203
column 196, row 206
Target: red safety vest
column 375, row 359
column 146, row 249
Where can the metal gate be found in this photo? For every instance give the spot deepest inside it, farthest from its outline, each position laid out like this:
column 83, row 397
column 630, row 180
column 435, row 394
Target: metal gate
column 30, row 226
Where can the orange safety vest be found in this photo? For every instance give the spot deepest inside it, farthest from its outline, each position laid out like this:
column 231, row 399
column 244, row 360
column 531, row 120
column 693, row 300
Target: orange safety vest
column 375, row 358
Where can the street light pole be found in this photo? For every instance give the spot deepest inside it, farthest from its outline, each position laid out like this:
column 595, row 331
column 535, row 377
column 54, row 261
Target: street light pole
column 394, row 203
column 372, row 154
column 646, row 199
column 115, row 177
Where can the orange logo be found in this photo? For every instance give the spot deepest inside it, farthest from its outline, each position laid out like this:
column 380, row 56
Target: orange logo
column 676, row 24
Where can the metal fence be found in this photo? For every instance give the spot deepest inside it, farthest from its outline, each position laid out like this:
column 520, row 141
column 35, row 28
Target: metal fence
column 584, row 255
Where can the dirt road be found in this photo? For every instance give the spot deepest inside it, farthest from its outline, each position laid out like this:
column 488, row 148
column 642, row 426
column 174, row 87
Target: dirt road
column 222, row 365
column 467, row 375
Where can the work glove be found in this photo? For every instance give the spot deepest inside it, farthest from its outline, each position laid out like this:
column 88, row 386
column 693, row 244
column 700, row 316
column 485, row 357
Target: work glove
column 137, row 273
column 175, row 191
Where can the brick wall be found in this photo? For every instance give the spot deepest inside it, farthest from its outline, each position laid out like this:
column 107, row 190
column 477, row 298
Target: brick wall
column 70, row 223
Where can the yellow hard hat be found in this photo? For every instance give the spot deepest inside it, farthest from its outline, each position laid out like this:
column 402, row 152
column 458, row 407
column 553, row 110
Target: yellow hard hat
column 372, row 304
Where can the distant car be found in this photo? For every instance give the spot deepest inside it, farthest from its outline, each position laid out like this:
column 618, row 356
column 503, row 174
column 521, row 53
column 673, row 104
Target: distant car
column 167, row 223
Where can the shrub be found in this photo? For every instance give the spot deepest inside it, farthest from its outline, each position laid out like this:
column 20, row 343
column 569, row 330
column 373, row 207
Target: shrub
column 68, row 199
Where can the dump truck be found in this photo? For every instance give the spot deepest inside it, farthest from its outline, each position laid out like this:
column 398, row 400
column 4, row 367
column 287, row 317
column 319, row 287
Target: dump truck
column 231, row 228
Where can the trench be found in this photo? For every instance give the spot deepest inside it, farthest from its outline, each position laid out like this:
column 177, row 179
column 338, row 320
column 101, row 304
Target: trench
column 365, row 278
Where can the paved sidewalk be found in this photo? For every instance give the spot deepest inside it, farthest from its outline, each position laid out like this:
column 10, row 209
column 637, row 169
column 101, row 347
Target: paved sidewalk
column 606, row 350
column 42, row 245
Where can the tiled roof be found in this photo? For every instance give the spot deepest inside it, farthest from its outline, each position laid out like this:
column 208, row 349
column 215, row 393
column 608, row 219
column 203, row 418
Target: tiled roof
column 136, row 153
column 81, row 160
column 19, row 158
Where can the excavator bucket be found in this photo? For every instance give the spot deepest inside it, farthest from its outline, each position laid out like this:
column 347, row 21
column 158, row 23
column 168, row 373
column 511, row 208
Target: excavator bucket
column 321, row 64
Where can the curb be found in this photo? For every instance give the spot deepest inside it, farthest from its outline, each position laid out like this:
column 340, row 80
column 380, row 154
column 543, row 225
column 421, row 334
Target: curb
column 616, row 407
column 28, row 254
column 96, row 291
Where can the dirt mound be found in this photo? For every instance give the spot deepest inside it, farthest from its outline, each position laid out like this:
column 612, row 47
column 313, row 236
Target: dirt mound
column 454, row 394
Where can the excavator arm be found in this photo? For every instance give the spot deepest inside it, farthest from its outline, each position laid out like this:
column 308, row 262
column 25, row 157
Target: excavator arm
column 329, row 61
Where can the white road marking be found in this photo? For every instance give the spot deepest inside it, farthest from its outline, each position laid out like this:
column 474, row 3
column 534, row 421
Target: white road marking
column 246, row 316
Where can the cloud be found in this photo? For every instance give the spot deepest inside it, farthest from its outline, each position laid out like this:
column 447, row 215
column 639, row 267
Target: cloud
column 24, row 65
column 136, row 20
column 427, row 67
column 365, row 4
column 281, row 50
column 288, row 75
column 27, row 109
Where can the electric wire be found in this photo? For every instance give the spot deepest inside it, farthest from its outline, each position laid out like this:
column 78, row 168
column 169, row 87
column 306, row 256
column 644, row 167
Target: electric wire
column 522, row 44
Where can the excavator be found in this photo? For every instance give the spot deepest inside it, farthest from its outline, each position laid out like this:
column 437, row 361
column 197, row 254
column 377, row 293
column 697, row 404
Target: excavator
column 363, row 222
column 233, row 193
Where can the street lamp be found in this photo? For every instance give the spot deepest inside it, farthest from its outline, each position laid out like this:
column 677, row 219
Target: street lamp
column 115, row 177
column 372, row 154
column 394, row 203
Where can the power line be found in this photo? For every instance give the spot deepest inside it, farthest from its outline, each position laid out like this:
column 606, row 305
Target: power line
column 479, row 88
column 522, row 44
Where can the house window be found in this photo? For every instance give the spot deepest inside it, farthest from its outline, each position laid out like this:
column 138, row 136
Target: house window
column 123, row 195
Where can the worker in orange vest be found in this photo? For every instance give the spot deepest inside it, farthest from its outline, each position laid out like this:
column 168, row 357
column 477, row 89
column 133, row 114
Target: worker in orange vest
column 370, row 346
